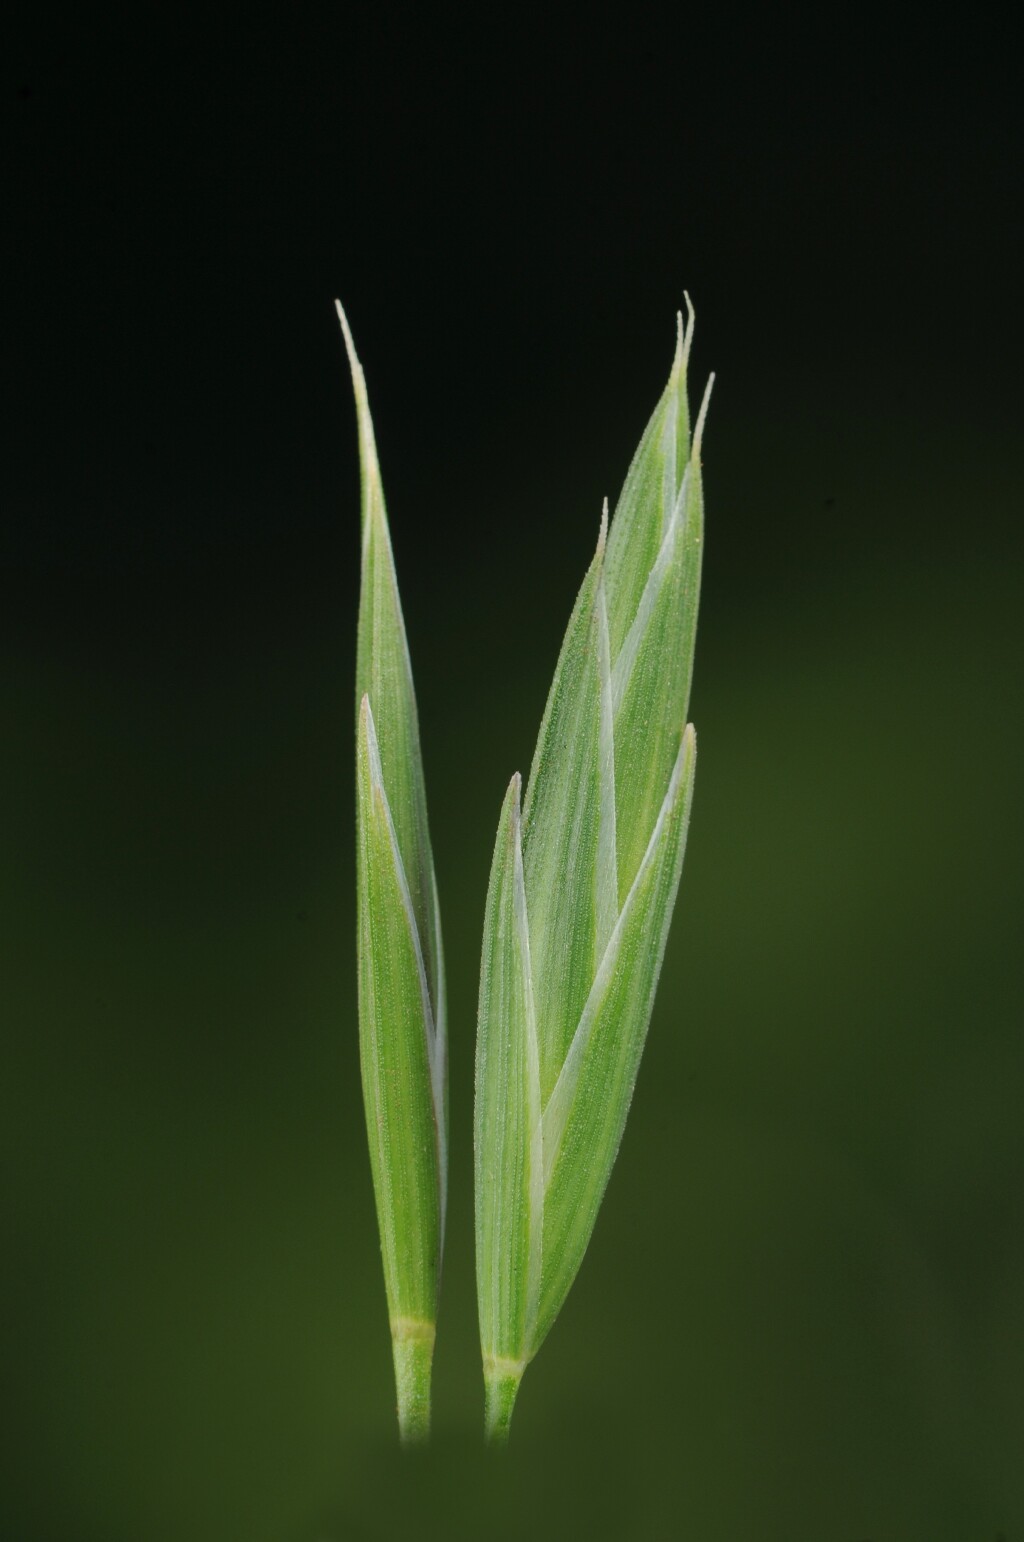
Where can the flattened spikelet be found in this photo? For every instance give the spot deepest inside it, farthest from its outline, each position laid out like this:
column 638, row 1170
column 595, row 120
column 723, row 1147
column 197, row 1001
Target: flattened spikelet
column 581, row 894
column 401, row 971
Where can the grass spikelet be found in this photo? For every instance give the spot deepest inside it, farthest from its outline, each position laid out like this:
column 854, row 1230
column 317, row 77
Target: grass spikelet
column 582, row 888
column 401, row 970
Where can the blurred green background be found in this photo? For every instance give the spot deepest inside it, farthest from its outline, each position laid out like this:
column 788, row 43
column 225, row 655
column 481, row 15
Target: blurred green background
column 802, row 1313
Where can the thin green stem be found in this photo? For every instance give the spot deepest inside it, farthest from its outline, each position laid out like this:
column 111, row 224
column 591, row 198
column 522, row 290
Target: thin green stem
column 501, row 1383
column 412, row 1345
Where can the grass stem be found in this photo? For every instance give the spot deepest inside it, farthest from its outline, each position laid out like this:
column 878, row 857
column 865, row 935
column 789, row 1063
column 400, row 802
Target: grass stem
column 501, row 1383
column 413, row 1349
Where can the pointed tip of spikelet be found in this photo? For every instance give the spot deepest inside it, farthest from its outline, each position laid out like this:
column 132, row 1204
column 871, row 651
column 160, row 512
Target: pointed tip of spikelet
column 678, row 362
column 514, row 804
column 350, row 347
column 685, row 334
column 698, row 432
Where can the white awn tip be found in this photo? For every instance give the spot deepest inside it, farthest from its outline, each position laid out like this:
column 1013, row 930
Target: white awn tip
column 702, row 414
column 687, row 331
column 350, row 346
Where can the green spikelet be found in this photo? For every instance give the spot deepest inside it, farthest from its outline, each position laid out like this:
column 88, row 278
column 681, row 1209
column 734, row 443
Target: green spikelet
column 401, row 970
column 581, row 894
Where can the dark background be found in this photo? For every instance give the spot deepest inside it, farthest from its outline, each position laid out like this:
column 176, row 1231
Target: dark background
column 802, row 1314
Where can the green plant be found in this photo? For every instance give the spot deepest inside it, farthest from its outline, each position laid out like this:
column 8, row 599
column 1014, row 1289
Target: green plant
column 581, row 893
column 401, row 965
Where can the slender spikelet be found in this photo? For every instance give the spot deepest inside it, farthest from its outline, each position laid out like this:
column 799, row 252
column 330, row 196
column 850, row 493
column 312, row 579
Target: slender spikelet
column 582, row 889
column 401, row 970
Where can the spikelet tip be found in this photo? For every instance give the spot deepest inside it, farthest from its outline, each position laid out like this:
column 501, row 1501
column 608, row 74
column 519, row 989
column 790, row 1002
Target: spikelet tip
column 698, row 431
column 686, row 331
column 350, row 347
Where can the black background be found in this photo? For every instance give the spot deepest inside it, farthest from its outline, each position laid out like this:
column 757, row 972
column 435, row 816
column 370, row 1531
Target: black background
column 802, row 1312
